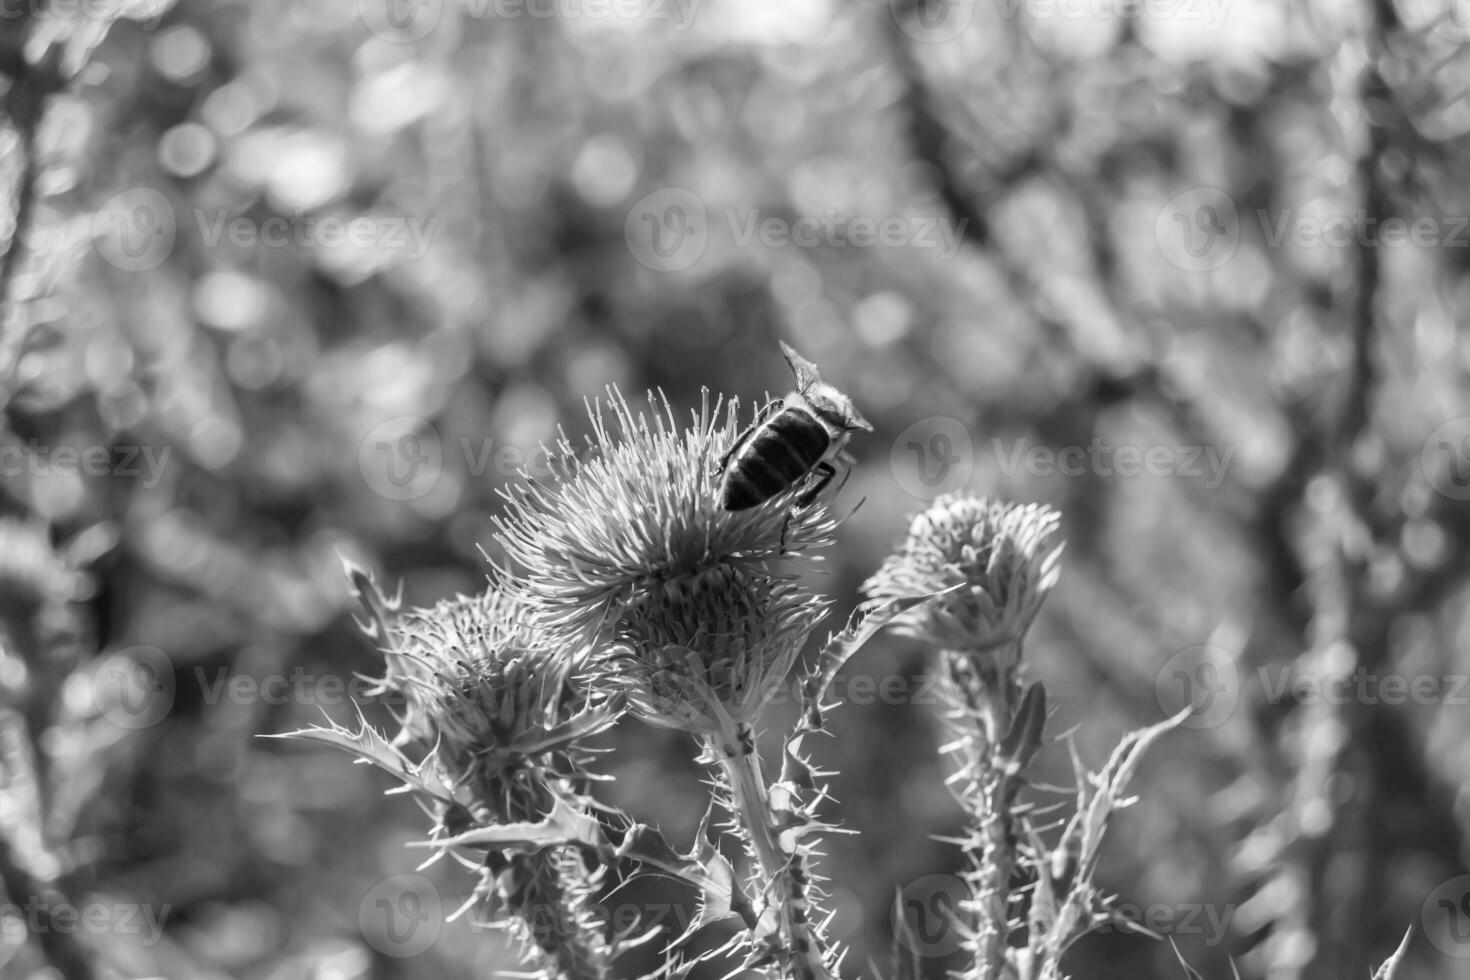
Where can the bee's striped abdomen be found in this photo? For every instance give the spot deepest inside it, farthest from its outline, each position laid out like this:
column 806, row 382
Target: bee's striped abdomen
column 781, row 451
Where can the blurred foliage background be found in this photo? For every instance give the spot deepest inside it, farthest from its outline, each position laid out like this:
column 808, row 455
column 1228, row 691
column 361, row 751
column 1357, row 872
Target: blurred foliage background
column 263, row 254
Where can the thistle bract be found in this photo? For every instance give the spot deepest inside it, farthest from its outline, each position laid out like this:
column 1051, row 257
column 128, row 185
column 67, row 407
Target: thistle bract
column 710, row 646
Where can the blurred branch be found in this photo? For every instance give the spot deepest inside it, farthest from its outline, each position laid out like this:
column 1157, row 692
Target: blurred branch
column 26, row 888
column 32, row 81
column 1346, row 633
column 58, row 940
column 933, row 141
column 40, row 54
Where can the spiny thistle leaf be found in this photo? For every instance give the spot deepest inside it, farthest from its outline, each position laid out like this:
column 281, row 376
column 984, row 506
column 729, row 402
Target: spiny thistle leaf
column 1189, row 971
column 1390, row 966
column 1111, row 785
column 866, row 622
column 905, row 940
column 1099, row 797
column 1024, row 738
column 1044, row 899
column 704, row 867
column 563, row 826
column 369, row 746
column 378, row 608
column 589, row 721
column 722, row 892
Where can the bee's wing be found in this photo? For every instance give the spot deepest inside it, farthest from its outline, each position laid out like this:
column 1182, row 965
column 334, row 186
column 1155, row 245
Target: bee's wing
column 771, row 407
column 805, row 371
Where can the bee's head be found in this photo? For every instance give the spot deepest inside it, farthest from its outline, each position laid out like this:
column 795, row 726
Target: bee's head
column 835, row 408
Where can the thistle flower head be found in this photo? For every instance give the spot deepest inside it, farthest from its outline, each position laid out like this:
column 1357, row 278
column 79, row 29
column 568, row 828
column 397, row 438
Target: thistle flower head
column 630, row 554
column 1005, row 555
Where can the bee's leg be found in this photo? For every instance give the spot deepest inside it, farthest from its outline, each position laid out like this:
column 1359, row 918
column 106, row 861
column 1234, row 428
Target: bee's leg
column 846, row 475
column 740, row 440
column 824, row 473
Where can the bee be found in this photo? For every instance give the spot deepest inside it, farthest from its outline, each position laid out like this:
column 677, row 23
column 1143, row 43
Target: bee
column 794, row 439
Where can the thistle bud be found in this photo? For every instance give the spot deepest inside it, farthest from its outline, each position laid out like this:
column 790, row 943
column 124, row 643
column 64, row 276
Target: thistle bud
column 1004, row 555
column 473, row 680
column 499, row 716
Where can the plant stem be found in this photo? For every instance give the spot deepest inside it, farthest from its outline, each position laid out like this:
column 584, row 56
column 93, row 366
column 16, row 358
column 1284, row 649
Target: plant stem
column 784, row 870
column 984, row 689
column 994, row 864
